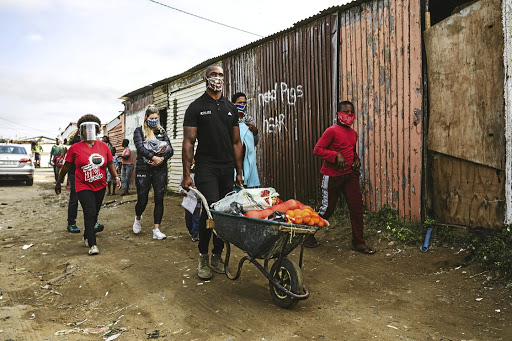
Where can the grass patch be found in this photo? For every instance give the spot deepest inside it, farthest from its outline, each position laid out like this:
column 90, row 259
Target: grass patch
column 490, row 249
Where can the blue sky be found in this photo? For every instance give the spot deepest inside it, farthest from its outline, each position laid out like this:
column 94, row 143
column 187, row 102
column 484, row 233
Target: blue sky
column 64, row 58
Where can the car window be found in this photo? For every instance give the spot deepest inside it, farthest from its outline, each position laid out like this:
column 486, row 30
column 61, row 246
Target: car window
column 12, row 150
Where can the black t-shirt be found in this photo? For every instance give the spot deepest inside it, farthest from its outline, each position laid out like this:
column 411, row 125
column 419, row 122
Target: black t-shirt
column 214, row 120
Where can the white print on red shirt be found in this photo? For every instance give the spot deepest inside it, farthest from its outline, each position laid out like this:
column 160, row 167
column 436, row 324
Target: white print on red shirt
column 92, row 170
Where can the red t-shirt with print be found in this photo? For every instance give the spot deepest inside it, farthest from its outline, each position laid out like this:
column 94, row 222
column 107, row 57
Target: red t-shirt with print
column 91, row 163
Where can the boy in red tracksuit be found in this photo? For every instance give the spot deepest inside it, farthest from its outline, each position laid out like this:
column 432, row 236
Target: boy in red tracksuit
column 340, row 173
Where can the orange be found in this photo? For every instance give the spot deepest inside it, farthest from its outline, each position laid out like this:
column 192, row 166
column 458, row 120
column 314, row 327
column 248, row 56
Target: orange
column 298, row 213
column 306, row 219
column 320, row 224
column 298, row 220
column 290, row 213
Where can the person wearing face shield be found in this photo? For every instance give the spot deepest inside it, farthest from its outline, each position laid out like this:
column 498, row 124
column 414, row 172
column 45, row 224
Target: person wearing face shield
column 340, row 174
column 153, row 151
column 250, row 138
column 91, row 158
column 212, row 120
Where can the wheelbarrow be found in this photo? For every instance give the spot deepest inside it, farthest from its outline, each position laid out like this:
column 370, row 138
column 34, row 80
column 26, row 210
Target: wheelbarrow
column 264, row 240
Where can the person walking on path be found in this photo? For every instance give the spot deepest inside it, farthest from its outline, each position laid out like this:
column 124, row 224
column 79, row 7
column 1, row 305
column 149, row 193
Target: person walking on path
column 192, row 214
column 59, row 160
column 91, row 157
column 73, row 197
column 212, row 120
column 111, row 190
column 153, row 151
column 127, row 166
column 57, row 147
column 340, row 174
column 250, row 138
column 37, row 150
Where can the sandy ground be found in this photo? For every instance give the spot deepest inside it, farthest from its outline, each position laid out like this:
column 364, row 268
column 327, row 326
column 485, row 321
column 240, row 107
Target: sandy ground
column 146, row 289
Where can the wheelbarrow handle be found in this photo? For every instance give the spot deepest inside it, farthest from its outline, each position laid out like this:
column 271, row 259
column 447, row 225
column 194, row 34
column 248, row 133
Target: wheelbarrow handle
column 203, row 200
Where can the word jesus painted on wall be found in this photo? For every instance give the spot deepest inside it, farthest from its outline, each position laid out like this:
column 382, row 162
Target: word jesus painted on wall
column 288, row 95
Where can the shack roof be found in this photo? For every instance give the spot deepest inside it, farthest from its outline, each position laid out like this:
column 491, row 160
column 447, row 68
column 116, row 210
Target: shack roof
column 210, row 61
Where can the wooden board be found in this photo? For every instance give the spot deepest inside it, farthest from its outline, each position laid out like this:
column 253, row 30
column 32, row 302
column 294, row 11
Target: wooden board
column 467, row 193
column 465, row 80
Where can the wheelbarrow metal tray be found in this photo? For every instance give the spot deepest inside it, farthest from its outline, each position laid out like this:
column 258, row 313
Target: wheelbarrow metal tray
column 264, row 239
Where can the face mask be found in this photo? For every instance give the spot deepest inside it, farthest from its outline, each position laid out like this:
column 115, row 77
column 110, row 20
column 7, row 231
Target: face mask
column 88, row 131
column 241, row 107
column 346, row 118
column 215, row 83
column 152, row 123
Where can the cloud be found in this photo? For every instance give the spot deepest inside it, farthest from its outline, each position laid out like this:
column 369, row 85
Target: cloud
column 34, row 37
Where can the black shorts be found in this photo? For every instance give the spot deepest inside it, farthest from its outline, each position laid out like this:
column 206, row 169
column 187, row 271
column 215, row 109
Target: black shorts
column 37, row 157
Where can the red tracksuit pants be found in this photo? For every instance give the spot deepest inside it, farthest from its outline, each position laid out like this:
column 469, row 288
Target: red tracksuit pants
column 348, row 185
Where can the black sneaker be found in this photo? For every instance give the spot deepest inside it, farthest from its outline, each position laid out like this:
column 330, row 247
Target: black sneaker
column 73, row 229
column 98, row 227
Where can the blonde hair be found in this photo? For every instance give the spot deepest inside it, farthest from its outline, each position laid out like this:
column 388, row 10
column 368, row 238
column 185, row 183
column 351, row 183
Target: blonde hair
column 149, row 133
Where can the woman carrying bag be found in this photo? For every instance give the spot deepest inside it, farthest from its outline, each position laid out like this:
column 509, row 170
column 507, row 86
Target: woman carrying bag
column 153, row 150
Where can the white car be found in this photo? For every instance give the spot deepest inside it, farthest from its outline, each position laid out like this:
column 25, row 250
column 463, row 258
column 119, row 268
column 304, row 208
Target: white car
column 16, row 164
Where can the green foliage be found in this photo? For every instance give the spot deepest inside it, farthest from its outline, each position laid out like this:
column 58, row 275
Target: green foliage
column 494, row 252
column 392, row 227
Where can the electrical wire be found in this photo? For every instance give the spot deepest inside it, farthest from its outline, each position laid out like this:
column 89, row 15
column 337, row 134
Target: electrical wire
column 203, row 18
column 23, row 125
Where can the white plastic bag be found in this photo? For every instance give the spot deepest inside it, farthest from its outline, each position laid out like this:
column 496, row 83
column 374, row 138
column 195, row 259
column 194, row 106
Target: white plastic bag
column 250, row 199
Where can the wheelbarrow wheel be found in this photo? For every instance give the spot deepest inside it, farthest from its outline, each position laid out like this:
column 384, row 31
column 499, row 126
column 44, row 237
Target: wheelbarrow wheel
column 289, row 276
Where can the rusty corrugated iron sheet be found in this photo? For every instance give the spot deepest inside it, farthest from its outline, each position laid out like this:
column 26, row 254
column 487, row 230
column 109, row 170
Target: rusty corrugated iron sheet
column 290, row 82
column 381, row 73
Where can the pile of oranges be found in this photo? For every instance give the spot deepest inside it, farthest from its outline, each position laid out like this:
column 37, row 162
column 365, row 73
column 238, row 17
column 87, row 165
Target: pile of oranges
column 306, row 216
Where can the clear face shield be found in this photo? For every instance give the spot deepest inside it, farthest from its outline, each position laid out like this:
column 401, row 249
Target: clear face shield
column 89, row 130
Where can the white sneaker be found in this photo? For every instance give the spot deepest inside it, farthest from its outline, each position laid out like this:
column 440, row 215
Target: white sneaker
column 158, row 235
column 94, row 250
column 136, row 225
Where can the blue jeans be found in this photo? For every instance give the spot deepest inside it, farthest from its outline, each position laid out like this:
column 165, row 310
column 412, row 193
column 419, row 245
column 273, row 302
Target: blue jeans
column 126, row 174
column 192, row 220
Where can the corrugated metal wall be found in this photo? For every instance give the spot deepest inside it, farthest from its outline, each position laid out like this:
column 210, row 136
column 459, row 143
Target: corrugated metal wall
column 180, row 96
column 290, row 84
column 507, row 57
column 116, row 133
column 381, row 73
column 160, row 97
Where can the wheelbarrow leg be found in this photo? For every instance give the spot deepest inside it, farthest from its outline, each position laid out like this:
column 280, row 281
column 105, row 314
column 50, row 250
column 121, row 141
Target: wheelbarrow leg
column 301, row 255
column 226, row 263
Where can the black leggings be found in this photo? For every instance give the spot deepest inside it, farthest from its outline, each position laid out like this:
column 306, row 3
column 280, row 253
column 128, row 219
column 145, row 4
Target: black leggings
column 214, row 184
column 144, row 179
column 91, row 203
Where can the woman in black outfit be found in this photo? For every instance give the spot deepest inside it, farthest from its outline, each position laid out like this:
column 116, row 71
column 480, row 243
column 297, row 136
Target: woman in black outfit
column 151, row 168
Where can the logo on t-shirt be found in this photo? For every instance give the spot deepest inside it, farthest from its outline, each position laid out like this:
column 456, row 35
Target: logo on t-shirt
column 229, row 114
column 92, row 169
column 202, row 113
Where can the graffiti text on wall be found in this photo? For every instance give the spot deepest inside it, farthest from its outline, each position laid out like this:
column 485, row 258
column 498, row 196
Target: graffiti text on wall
column 274, row 124
column 288, row 95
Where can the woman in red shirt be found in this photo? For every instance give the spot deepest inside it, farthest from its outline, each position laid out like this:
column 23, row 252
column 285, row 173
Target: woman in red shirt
column 91, row 158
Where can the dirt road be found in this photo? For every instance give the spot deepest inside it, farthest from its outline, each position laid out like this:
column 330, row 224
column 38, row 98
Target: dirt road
column 53, row 290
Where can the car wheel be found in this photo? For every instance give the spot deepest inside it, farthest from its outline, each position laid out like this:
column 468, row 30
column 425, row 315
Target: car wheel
column 29, row 182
